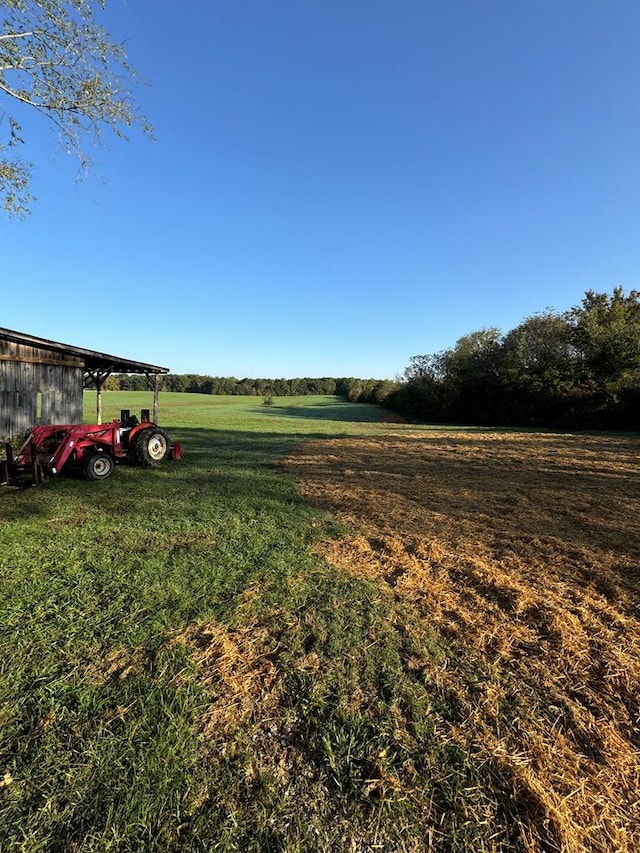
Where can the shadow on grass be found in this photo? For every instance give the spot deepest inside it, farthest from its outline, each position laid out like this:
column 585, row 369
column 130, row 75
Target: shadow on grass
column 250, row 447
column 19, row 503
column 329, row 411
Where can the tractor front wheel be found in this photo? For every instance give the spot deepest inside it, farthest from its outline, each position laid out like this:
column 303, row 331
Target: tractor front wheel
column 98, row 466
column 151, row 446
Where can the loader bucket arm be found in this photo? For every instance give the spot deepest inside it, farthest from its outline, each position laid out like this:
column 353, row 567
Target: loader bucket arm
column 63, row 452
column 78, row 439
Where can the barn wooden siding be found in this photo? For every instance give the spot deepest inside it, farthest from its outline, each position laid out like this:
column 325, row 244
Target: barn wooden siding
column 32, row 379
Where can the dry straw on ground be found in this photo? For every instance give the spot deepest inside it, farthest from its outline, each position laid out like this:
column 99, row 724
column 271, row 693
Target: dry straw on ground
column 524, row 550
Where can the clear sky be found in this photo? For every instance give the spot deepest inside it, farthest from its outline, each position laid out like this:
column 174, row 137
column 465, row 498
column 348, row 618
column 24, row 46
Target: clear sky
column 338, row 186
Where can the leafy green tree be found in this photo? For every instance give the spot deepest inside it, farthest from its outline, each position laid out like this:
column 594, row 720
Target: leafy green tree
column 355, row 389
column 280, row 387
column 133, row 382
column 383, row 389
column 326, row 385
column 422, row 393
column 538, row 371
column 111, row 383
column 606, row 335
column 424, row 367
column 471, row 377
column 176, row 382
column 471, row 352
column 56, row 60
column 580, row 369
column 606, row 332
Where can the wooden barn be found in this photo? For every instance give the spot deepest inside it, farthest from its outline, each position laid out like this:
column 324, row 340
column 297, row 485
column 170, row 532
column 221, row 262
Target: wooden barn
column 41, row 381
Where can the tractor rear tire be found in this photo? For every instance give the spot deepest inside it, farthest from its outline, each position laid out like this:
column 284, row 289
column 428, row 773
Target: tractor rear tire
column 151, row 446
column 98, row 466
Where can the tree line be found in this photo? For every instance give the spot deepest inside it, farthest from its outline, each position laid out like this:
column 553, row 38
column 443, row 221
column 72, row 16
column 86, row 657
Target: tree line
column 373, row 390
column 577, row 369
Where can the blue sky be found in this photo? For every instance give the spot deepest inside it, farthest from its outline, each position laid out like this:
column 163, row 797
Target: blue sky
column 338, row 186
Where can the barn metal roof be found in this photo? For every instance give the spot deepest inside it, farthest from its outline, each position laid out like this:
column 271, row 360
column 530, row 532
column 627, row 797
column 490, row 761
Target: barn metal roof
column 92, row 360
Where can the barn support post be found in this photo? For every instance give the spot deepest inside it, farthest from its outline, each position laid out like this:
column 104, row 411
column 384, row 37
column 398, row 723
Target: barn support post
column 155, row 398
column 153, row 383
column 98, row 379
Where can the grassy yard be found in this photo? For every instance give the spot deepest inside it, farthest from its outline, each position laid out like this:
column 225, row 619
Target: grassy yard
column 298, row 639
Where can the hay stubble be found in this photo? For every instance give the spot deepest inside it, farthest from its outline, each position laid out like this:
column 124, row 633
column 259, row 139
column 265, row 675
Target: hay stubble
column 524, row 550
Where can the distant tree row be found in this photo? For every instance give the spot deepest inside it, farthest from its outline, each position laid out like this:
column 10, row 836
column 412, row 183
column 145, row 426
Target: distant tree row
column 373, row 390
column 578, row 369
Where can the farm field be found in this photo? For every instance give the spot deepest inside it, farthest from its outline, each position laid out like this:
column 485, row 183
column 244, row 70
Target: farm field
column 324, row 632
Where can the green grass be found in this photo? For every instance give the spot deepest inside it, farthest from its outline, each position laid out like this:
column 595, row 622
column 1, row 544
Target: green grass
column 110, row 594
column 330, row 415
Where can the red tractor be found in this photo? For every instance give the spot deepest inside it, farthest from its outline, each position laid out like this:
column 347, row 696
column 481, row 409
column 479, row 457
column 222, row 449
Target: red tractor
column 92, row 449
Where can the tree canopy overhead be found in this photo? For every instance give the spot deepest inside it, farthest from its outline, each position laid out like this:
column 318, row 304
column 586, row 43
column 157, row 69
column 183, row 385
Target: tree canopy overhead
column 57, row 60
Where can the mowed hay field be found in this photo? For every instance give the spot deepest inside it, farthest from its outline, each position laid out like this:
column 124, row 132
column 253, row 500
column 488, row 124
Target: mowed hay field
column 323, row 631
column 524, row 551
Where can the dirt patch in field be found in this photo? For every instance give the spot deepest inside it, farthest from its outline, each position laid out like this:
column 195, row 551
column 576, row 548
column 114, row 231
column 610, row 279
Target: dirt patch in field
column 524, row 550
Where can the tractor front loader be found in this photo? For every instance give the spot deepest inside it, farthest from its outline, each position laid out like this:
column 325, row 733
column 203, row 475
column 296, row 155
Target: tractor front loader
column 91, row 449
